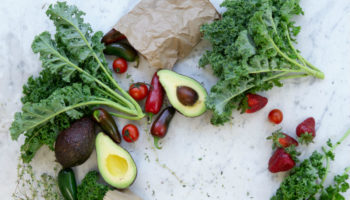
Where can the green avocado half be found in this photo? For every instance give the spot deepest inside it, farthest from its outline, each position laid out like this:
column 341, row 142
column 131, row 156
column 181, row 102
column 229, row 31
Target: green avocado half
column 115, row 164
column 184, row 93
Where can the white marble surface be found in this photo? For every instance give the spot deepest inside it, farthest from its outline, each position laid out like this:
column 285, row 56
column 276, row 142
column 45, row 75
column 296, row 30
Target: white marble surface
column 226, row 162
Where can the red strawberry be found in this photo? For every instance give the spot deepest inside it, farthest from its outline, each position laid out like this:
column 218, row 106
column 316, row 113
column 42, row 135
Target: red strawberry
column 282, row 140
column 306, row 130
column 281, row 161
column 255, row 102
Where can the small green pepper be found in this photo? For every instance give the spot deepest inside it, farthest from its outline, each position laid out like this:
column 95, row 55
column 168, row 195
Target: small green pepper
column 67, row 184
column 107, row 123
column 122, row 50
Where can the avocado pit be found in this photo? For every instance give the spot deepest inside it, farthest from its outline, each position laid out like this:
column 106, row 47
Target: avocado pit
column 186, row 95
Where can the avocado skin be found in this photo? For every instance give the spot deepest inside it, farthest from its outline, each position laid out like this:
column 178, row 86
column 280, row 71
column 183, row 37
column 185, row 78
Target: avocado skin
column 184, row 93
column 75, row 144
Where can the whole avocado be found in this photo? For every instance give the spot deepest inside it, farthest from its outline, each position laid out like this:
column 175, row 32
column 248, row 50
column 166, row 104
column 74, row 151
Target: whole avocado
column 75, row 144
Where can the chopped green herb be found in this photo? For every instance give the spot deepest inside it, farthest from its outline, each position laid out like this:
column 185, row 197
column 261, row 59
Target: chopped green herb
column 90, row 189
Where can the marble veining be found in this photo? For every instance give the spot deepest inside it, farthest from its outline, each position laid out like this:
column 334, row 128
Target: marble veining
column 226, row 162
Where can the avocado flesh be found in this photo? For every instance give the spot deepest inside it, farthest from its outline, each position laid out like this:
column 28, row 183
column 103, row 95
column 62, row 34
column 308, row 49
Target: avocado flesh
column 171, row 81
column 115, row 164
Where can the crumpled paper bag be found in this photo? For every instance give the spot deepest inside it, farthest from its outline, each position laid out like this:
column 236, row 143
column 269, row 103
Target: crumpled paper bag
column 164, row 31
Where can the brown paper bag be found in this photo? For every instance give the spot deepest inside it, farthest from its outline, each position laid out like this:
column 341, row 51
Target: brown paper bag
column 164, row 31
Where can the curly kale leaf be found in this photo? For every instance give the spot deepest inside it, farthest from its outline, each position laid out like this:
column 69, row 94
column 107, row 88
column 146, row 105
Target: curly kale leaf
column 90, row 189
column 252, row 51
column 74, row 79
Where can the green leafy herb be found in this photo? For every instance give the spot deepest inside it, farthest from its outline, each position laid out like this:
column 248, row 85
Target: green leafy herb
column 75, row 78
column 252, row 50
column 90, row 189
column 29, row 186
column 333, row 192
column 306, row 181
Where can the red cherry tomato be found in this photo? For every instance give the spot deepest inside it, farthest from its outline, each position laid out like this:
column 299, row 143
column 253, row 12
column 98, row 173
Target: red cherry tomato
column 120, row 65
column 138, row 91
column 275, row 116
column 130, row 133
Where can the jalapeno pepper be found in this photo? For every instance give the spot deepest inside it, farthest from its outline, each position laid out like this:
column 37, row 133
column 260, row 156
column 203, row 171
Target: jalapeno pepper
column 112, row 36
column 107, row 123
column 160, row 125
column 67, row 184
column 121, row 50
column 155, row 97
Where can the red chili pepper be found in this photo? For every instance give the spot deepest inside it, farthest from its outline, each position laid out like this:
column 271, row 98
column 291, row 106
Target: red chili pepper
column 154, row 99
column 160, row 125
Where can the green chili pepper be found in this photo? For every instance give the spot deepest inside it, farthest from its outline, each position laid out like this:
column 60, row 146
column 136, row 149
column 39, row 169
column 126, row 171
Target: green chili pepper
column 122, row 50
column 67, row 184
column 107, row 123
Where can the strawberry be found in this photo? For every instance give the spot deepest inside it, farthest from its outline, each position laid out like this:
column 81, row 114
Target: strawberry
column 255, row 102
column 281, row 161
column 306, row 130
column 282, row 140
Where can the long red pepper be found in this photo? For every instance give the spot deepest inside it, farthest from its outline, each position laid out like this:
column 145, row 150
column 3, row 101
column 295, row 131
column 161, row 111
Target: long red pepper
column 155, row 97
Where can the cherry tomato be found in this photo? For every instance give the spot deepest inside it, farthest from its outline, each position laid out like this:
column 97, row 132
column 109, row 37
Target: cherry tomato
column 275, row 116
column 138, row 91
column 120, row 65
column 130, row 133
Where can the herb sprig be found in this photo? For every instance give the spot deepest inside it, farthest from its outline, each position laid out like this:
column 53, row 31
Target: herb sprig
column 306, row 181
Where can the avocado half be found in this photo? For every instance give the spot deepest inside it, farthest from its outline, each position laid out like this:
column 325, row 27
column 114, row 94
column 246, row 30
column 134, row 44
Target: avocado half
column 115, row 164
column 184, row 93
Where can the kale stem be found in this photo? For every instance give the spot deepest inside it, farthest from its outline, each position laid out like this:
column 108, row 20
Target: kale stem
column 112, row 96
column 312, row 72
column 291, row 45
column 117, row 106
column 303, row 60
column 95, row 102
column 293, row 76
column 273, row 70
column 135, row 104
column 89, row 75
column 125, row 116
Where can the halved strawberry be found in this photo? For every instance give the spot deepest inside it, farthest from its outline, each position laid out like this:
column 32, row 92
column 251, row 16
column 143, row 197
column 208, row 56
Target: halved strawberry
column 281, row 161
column 306, row 130
column 282, row 140
column 255, row 102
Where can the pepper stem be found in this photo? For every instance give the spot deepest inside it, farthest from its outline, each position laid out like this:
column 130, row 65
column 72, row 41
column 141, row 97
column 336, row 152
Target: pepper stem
column 156, row 140
column 149, row 117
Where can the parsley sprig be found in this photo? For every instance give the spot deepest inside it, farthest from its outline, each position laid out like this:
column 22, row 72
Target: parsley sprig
column 306, row 181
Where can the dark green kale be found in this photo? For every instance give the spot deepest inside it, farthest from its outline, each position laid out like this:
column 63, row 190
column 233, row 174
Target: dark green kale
column 74, row 79
column 252, row 51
